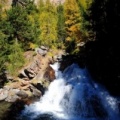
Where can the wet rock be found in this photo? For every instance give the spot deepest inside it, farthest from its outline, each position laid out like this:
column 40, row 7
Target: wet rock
column 39, row 87
column 49, row 74
column 35, row 91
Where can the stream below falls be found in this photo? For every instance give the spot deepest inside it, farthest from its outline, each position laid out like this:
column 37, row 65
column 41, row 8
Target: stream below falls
column 73, row 96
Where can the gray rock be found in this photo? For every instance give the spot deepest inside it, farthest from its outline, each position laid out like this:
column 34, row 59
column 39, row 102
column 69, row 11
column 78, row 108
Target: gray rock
column 30, row 73
column 22, row 74
column 35, row 91
column 12, row 97
column 7, row 88
column 3, row 94
column 22, row 94
column 44, row 48
column 41, row 51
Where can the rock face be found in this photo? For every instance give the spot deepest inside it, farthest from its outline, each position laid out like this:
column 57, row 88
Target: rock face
column 9, row 94
column 49, row 74
column 31, row 70
column 33, row 78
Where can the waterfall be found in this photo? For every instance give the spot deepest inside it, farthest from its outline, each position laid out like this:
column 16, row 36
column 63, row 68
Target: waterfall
column 73, row 96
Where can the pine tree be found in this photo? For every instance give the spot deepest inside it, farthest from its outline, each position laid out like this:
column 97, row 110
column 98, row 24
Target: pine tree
column 87, row 33
column 21, row 26
column 15, row 58
column 3, row 51
column 60, row 23
column 3, row 41
column 48, row 25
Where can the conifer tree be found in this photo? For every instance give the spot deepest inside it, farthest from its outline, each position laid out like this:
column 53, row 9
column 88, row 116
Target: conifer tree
column 85, row 26
column 3, row 51
column 15, row 58
column 60, row 23
column 48, row 24
column 20, row 25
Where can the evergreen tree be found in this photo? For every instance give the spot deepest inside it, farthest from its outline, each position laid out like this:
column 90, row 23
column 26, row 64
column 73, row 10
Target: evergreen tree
column 60, row 23
column 3, row 51
column 85, row 26
column 3, row 41
column 15, row 58
column 48, row 24
column 21, row 26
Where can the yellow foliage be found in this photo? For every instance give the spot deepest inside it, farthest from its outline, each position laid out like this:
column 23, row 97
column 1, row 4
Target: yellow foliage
column 68, row 39
column 32, row 46
column 31, row 18
column 74, row 28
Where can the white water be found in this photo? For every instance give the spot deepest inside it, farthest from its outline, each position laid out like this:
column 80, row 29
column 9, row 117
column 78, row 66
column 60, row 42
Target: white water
column 73, row 96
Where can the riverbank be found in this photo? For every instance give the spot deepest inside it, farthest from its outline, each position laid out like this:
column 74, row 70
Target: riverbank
column 33, row 78
column 28, row 86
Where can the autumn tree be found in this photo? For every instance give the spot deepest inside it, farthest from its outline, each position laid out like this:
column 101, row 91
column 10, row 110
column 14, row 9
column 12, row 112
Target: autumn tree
column 72, row 24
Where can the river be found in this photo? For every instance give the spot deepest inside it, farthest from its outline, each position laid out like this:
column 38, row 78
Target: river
column 73, row 96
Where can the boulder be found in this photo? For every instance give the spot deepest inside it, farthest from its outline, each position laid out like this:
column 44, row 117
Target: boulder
column 22, row 75
column 3, row 94
column 35, row 91
column 44, row 48
column 39, row 87
column 41, row 51
column 30, row 73
column 12, row 97
column 49, row 74
column 22, row 94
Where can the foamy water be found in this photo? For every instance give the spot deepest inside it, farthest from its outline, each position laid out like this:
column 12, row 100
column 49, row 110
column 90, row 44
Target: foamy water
column 73, row 96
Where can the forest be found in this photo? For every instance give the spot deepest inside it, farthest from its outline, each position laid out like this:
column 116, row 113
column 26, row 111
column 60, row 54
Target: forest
column 88, row 29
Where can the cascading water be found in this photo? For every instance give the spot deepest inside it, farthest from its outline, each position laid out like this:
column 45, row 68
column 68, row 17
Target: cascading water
column 73, row 96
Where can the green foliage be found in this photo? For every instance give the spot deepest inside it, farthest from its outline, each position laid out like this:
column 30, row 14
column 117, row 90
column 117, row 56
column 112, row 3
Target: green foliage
column 87, row 33
column 15, row 58
column 41, row 6
column 3, row 49
column 21, row 27
column 60, row 23
column 48, row 24
column 17, row 30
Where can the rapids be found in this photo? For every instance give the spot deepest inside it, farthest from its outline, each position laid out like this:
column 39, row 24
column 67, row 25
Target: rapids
column 73, row 96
